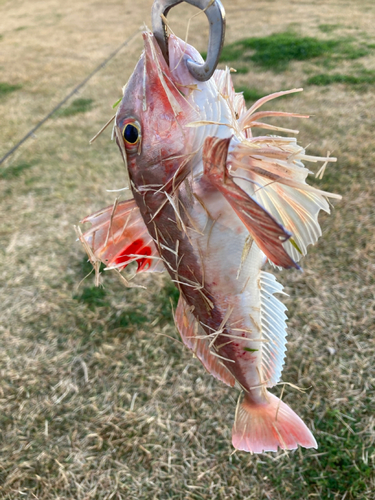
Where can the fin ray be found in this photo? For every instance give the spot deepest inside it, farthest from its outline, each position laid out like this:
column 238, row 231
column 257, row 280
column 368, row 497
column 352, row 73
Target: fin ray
column 268, row 234
column 266, row 427
column 119, row 236
column 273, row 324
column 281, row 187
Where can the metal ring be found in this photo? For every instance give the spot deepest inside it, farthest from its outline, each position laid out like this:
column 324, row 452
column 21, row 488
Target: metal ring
column 215, row 13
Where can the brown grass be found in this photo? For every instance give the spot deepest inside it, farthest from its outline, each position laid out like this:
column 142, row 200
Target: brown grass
column 96, row 401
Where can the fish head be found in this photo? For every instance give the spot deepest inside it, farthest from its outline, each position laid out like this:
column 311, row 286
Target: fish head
column 151, row 120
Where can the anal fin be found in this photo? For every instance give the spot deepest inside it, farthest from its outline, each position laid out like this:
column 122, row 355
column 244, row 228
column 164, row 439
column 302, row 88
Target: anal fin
column 191, row 333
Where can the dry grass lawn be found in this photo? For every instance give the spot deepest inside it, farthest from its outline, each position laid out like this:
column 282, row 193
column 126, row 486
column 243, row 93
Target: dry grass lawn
column 98, row 398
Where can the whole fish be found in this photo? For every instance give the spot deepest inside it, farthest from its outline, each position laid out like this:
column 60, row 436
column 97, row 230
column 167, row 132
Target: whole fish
column 212, row 205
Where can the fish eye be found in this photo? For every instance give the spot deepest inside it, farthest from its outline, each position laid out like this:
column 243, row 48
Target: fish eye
column 131, row 133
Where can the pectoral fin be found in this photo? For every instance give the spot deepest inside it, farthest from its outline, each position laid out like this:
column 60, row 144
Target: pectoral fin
column 119, row 236
column 191, row 334
column 277, row 180
column 268, row 234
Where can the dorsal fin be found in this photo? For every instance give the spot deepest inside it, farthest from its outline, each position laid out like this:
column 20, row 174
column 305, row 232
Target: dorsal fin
column 119, row 236
column 190, row 332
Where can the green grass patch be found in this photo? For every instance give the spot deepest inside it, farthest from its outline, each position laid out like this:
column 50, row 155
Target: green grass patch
column 328, row 28
column 251, row 94
column 130, row 319
column 14, row 170
column 92, row 296
column 365, row 77
column 344, row 458
column 242, row 70
column 87, row 268
column 77, row 106
column 276, row 51
column 164, row 300
column 339, row 470
column 6, row 88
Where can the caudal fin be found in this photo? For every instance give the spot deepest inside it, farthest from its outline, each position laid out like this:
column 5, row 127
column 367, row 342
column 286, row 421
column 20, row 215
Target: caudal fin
column 269, row 426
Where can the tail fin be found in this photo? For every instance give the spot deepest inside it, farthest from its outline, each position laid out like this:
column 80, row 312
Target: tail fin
column 265, row 427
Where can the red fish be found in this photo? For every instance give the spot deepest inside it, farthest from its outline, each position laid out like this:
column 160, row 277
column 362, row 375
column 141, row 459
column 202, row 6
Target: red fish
column 212, row 205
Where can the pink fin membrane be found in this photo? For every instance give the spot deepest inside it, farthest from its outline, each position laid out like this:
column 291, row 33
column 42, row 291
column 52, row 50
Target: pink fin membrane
column 192, row 336
column 269, row 426
column 268, row 234
column 118, row 236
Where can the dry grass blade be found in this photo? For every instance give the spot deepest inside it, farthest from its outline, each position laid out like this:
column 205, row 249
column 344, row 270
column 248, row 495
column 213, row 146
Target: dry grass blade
column 102, row 129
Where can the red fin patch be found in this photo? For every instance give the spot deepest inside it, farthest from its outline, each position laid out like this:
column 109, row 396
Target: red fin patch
column 269, row 426
column 191, row 332
column 268, row 234
column 119, row 236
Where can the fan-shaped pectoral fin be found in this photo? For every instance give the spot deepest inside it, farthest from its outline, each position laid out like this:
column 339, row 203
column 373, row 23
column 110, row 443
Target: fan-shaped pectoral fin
column 268, row 234
column 119, row 236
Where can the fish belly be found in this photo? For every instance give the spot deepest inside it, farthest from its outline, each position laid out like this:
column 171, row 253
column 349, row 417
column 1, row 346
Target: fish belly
column 211, row 259
column 230, row 267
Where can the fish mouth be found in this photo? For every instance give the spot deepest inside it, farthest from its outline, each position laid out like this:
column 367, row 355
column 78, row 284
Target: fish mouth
column 152, row 52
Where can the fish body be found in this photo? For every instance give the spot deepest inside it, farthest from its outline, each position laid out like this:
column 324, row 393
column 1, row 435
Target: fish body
column 213, row 205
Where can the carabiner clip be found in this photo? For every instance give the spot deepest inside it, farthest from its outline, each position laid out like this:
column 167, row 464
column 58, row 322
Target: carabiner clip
column 215, row 13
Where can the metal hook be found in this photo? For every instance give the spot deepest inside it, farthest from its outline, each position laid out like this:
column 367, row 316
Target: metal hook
column 215, row 13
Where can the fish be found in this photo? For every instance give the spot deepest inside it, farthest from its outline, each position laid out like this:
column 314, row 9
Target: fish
column 213, row 205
